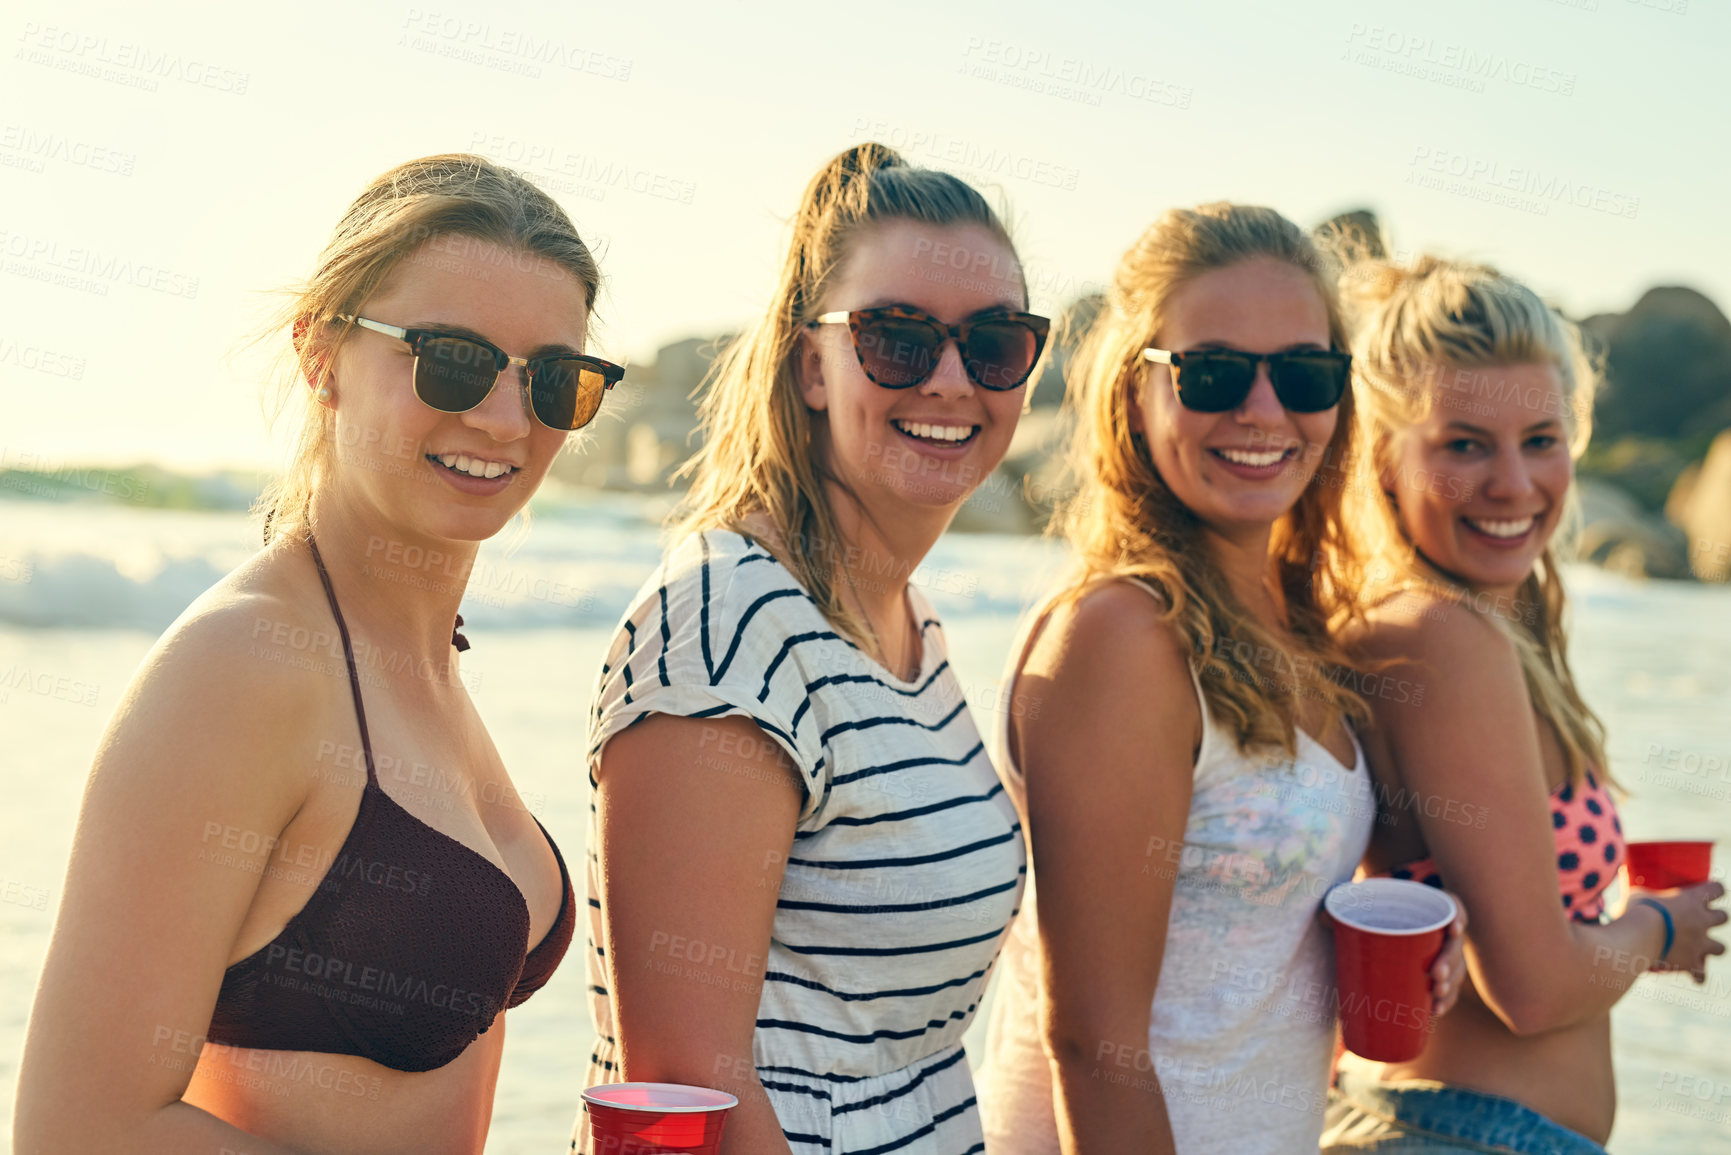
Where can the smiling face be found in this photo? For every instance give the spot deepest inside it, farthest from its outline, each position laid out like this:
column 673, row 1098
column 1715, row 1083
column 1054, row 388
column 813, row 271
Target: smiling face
column 1479, row 484
column 930, row 444
column 1238, row 471
column 454, row 476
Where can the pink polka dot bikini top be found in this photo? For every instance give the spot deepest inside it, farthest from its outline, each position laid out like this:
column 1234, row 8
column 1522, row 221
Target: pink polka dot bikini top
column 1589, row 840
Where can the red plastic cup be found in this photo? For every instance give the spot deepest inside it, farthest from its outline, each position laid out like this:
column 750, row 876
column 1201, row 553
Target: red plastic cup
column 656, row 1118
column 1387, row 933
column 1664, row 865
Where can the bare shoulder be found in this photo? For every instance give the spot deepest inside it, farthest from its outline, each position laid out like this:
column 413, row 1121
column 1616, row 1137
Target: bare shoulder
column 1114, row 628
column 1431, row 627
column 244, row 630
column 1107, row 660
column 244, row 674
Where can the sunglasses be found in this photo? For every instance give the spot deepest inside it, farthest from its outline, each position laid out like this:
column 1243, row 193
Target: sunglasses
column 1217, row 380
column 455, row 374
column 898, row 346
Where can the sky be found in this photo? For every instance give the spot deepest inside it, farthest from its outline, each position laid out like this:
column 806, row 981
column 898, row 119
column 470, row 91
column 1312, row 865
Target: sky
column 166, row 169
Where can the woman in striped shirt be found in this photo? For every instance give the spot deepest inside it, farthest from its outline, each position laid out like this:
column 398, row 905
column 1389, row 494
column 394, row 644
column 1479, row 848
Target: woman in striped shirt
column 802, row 862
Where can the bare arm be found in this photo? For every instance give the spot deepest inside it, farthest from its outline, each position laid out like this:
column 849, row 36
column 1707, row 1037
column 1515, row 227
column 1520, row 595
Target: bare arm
column 1108, row 759
column 1473, row 740
column 1450, row 965
column 206, row 742
column 693, row 843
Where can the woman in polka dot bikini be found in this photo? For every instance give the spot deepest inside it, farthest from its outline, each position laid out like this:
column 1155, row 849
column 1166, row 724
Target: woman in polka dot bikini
column 1475, row 400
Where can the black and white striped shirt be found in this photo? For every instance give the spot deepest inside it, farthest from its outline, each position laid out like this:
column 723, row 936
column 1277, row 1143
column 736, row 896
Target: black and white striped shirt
column 907, row 863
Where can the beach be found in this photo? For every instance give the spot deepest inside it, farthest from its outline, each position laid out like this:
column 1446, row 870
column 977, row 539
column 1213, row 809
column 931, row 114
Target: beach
column 86, row 587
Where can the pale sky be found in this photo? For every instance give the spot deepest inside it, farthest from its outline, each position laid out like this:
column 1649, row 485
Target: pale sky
column 163, row 166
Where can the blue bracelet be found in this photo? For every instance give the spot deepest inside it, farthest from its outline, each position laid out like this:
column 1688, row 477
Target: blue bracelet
column 1670, row 927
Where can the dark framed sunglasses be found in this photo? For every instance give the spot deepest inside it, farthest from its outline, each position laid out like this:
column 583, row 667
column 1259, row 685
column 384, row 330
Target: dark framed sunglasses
column 455, row 374
column 898, row 346
column 1218, row 380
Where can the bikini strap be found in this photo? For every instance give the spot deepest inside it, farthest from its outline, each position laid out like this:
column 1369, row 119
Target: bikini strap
column 348, row 656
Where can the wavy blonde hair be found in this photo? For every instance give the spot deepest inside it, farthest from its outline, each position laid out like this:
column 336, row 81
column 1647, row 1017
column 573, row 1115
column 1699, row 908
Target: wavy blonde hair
column 1426, row 327
column 451, row 195
column 756, row 429
column 1125, row 521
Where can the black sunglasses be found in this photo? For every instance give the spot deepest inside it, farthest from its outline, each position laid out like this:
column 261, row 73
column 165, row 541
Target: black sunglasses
column 898, row 346
column 455, row 374
column 1218, row 380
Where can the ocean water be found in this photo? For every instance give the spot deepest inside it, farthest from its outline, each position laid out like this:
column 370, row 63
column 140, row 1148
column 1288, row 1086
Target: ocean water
column 86, row 588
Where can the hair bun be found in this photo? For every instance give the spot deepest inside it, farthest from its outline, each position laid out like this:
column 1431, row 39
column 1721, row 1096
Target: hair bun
column 1369, row 283
column 867, row 157
column 831, row 183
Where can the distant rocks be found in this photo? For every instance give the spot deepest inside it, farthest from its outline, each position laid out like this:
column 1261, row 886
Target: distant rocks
column 1667, row 367
column 1692, row 539
column 1618, row 534
column 1018, row 496
column 1700, row 503
column 1655, row 485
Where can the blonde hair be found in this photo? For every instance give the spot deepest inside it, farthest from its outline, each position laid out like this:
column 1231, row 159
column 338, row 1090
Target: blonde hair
column 452, row 195
column 1427, row 327
column 1125, row 521
column 756, row 429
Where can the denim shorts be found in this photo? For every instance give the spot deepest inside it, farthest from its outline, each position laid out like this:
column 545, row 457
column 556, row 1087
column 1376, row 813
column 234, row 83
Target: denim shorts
column 1421, row 1116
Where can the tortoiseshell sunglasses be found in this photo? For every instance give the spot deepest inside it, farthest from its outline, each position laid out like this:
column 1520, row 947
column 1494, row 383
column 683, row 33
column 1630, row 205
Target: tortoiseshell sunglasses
column 898, row 346
column 454, row 374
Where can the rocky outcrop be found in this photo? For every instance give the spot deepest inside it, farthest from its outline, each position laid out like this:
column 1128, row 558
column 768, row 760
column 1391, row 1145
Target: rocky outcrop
column 1620, row 535
column 1700, row 503
column 1667, row 366
column 1018, row 496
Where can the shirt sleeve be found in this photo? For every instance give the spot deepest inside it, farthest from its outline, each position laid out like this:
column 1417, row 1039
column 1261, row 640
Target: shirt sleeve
column 708, row 637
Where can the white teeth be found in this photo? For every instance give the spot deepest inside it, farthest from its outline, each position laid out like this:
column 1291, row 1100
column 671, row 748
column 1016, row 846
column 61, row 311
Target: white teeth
column 473, row 466
column 1501, row 528
column 936, row 432
column 1245, row 457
